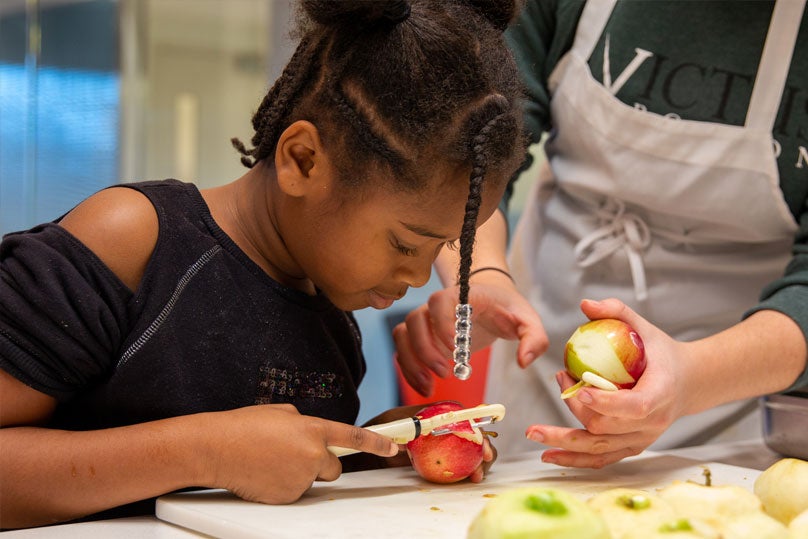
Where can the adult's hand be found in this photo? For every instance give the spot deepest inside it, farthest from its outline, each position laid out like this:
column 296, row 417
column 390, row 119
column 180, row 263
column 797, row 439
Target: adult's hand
column 619, row 424
column 425, row 340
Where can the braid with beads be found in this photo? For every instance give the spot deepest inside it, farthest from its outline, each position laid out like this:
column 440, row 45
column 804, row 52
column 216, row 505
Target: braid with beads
column 482, row 146
column 395, row 86
column 468, row 231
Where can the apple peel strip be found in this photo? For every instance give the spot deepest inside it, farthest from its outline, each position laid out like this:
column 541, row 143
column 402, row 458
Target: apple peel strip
column 589, row 379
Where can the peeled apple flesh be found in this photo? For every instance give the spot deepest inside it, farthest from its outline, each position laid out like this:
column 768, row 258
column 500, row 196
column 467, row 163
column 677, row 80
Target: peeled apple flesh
column 783, row 489
column 537, row 513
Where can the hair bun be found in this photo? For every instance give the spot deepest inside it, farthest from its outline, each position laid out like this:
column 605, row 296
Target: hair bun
column 499, row 12
column 336, row 12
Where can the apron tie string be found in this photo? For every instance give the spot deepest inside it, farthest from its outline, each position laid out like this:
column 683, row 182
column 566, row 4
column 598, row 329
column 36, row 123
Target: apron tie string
column 618, row 229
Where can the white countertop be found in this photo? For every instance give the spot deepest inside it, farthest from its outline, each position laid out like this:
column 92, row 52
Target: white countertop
column 749, row 454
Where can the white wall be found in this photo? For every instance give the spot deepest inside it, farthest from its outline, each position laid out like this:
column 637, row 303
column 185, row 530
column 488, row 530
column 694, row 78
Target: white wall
column 194, row 73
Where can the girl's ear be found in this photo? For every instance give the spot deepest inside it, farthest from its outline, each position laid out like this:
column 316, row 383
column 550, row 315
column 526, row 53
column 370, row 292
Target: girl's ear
column 301, row 163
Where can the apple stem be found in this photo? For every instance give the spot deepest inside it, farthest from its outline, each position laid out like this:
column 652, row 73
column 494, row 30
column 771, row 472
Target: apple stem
column 572, row 390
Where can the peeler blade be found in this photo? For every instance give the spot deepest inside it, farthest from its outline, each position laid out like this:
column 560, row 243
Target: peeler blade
column 475, row 423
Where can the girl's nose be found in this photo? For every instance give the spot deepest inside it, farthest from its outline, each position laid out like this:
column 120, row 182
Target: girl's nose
column 415, row 272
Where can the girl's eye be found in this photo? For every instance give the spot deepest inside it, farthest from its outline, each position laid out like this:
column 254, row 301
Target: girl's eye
column 451, row 245
column 403, row 249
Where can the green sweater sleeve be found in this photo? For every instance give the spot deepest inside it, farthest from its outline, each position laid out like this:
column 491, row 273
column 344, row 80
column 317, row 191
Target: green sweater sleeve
column 538, row 38
column 789, row 294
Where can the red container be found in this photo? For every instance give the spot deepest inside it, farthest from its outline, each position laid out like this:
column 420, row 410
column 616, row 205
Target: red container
column 467, row 392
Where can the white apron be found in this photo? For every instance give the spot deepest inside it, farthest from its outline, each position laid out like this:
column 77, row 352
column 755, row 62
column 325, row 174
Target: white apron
column 682, row 220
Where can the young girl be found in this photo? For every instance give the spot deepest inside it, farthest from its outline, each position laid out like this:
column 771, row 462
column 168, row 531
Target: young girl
column 158, row 337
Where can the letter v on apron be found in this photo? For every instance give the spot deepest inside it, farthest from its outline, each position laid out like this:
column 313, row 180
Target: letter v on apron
column 682, row 220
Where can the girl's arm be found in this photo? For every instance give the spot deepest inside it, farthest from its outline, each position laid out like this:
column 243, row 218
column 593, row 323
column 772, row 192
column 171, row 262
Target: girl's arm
column 50, row 475
column 266, row 453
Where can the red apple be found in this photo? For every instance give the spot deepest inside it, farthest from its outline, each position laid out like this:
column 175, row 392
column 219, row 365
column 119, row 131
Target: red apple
column 605, row 353
column 446, row 458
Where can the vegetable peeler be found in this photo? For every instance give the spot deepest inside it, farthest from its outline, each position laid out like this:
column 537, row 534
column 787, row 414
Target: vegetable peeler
column 402, row 431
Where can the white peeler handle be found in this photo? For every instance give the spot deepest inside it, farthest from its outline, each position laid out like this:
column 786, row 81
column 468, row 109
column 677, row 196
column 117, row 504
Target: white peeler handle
column 402, row 431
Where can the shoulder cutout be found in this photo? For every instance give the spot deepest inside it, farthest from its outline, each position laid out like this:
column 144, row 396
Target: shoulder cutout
column 120, row 226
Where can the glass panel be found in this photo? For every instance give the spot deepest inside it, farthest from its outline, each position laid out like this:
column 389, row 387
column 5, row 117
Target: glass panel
column 58, row 106
column 203, row 72
column 97, row 92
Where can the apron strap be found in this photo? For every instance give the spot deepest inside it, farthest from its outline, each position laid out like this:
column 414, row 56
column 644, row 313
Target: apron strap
column 593, row 20
column 618, row 229
column 774, row 64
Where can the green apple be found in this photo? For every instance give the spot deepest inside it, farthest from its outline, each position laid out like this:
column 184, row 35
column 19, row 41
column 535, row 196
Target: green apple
column 606, row 353
column 783, row 489
column 537, row 513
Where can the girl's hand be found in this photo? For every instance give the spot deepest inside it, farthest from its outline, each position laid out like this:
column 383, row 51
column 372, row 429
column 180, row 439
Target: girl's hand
column 489, row 456
column 425, row 340
column 273, row 454
column 623, row 423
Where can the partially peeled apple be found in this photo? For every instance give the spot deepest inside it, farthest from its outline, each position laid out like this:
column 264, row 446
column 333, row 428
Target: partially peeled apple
column 450, row 457
column 606, row 353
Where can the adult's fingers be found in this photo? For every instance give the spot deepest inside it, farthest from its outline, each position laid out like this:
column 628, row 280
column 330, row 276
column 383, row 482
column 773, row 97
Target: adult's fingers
column 415, row 373
column 424, row 343
column 533, row 340
column 531, row 346
column 613, row 308
column 585, row 460
column 599, row 420
column 627, row 404
column 441, row 308
column 579, row 442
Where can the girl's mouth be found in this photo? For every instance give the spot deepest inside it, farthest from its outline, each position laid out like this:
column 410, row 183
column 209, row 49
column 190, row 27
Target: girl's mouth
column 380, row 301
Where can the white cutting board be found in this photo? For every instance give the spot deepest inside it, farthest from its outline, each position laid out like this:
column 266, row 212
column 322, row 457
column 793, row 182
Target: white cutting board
column 396, row 503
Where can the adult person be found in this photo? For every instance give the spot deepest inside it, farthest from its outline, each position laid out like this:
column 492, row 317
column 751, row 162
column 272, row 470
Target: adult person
column 675, row 191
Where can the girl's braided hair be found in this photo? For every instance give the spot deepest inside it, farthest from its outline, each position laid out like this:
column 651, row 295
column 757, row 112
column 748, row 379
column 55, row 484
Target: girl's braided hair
column 398, row 85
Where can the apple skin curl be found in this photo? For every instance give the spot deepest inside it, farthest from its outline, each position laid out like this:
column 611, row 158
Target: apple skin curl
column 609, row 348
